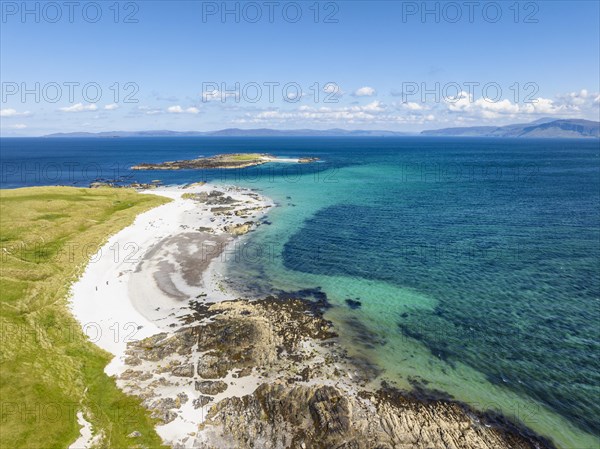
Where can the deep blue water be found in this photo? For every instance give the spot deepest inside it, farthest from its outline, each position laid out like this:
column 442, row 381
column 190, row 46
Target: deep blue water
column 502, row 235
column 78, row 162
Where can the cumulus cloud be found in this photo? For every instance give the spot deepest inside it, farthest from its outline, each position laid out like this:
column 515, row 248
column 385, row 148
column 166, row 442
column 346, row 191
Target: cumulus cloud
column 484, row 108
column 111, row 107
column 545, row 106
column 365, row 91
column 7, row 112
column 79, row 107
column 375, row 106
column 375, row 112
column 575, row 98
column 179, row 110
column 411, row 106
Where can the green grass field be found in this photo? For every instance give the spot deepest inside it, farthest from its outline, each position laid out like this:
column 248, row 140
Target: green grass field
column 49, row 370
column 249, row 157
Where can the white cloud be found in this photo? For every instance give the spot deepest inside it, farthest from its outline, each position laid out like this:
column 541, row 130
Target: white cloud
column 545, row 106
column 79, row 107
column 13, row 113
column 575, row 98
column 365, row 91
column 375, row 106
column 494, row 109
column 374, row 113
column 179, row 110
column 411, row 106
column 17, row 126
column 111, row 107
column 176, row 109
column 484, row 108
column 459, row 103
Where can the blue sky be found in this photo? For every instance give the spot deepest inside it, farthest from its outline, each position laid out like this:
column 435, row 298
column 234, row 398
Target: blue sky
column 357, row 65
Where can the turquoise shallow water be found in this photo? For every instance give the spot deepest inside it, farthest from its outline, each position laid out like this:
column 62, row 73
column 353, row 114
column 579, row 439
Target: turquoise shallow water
column 479, row 260
column 475, row 261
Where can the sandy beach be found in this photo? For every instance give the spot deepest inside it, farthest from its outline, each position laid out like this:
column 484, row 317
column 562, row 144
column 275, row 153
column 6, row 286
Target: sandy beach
column 140, row 282
column 146, row 273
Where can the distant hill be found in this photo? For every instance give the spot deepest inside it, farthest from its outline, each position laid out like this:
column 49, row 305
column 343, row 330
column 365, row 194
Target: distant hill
column 233, row 132
column 541, row 128
column 544, row 127
column 156, row 133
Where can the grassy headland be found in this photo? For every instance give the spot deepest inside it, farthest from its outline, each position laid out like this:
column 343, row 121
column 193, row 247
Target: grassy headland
column 49, row 369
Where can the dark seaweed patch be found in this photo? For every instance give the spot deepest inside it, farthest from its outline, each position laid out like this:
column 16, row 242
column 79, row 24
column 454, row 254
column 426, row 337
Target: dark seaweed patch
column 354, row 303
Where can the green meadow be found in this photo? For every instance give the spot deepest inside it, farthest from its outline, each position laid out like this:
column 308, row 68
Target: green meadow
column 49, row 369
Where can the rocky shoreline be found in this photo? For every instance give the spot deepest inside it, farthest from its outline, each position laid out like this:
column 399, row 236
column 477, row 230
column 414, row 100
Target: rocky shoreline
column 271, row 374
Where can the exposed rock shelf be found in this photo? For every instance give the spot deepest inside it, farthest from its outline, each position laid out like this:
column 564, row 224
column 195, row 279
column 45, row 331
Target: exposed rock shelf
column 270, row 374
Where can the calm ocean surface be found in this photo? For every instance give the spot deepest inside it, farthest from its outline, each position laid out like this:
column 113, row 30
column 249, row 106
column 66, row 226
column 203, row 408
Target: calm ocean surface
column 474, row 262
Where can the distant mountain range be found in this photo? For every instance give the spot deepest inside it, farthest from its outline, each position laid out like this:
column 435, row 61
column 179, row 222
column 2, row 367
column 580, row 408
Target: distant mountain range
column 545, row 127
column 542, row 128
column 233, row 132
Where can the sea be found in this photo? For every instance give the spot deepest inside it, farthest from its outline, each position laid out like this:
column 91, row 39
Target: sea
column 464, row 267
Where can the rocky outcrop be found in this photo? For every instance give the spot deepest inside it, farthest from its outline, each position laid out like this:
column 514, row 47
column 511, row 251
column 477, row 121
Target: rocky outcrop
column 211, row 388
column 307, row 160
column 325, row 416
column 270, row 374
column 213, row 198
column 220, row 161
column 239, row 229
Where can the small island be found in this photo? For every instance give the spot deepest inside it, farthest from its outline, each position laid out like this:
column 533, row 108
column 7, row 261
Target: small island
column 226, row 161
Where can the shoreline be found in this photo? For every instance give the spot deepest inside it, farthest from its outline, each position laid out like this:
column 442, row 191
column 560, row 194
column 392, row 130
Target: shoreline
column 173, row 356
column 118, row 261
column 126, row 294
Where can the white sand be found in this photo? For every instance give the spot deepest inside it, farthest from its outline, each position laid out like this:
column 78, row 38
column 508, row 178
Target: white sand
column 100, row 299
column 285, row 160
column 116, row 302
column 86, row 438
